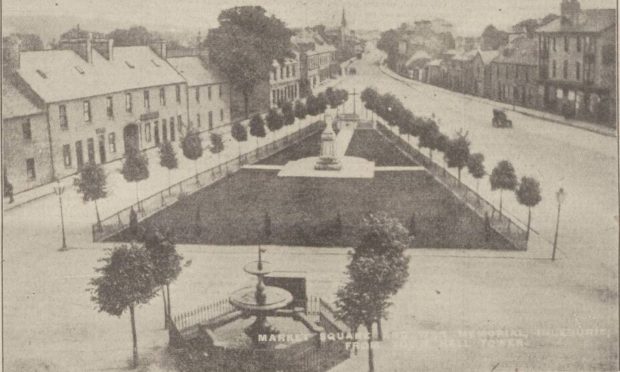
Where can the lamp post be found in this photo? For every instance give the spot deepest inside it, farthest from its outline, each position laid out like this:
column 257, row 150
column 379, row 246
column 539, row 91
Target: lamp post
column 560, row 196
column 59, row 190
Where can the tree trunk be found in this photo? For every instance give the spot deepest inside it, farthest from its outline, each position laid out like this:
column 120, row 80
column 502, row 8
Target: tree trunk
column 379, row 330
column 138, row 199
column 169, row 183
column 196, row 170
column 529, row 219
column 98, row 217
column 245, row 104
column 500, row 204
column 134, row 337
column 163, row 295
column 371, row 359
column 169, row 300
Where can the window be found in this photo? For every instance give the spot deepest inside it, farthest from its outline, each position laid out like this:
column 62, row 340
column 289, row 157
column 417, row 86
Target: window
column 578, row 71
column 62, row 115
column 147, row 132
column 30, row 172
column 566, row 47
column 110, row 107
column 86, row 107
column 197, row 94
column 156, row 132
column 220, row 91
column 164, row 130
column 222, row 115
column 26, row 130
column 281, row 72
column 178, row 93
column 147, row 100
column 275, row 97
column 66, row 155
column 128, row 102
column 294, row 70
column 112, row 142
column 554, row 44
column 180, row 122
column 553, row 68
column 288, row 71
column 79, row 155
column 609, row 54
column 162, row 96
column 90, row 143
column 172, row 133
column 209, row 92
column 578, row 43
column 210, row 120
column 565, row 72
column 198, row 120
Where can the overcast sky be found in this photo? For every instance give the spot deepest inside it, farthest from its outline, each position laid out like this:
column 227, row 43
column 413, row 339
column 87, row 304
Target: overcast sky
column 468, row 16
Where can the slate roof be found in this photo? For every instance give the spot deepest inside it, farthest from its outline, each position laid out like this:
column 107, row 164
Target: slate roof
column 197, row 72
column 15, row 104
column 417, row 56
column 590, row 21
column 435, row 62
column 488, row 56
column 521, row 51
column 62, row 75
column 466, row 56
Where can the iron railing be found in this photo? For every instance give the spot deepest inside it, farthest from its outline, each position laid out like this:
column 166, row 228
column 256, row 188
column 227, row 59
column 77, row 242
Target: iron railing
column 154, row 203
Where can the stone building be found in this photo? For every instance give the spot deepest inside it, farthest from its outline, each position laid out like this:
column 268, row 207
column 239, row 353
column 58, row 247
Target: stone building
column 316, row 57
column 577, row 58
column 482, row 72
column 284, row 81
column 461, row 72
column 514, row 74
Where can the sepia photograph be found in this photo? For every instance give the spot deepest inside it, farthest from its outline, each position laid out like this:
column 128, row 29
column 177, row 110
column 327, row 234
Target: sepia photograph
column 310, row 185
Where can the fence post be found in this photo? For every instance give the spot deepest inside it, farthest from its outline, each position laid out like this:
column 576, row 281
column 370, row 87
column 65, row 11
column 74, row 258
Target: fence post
column 163, row 200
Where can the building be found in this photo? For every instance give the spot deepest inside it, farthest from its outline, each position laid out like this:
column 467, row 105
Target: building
column 415, row 65
column 284, row 81
column 514, row 74
column 577, row 59
column 460, row 70
column 208, row 91
column 421, row 36
column 482, row 72
column 343, row 38
column 434, row 72
column 316, row 57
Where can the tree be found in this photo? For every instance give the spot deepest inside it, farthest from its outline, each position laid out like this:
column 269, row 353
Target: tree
column 239, row 133
column 27, row 42
column 312, row 105
column 126, row 281
column 257, row 127
column 528, row 194
column 370, row 98
column 92, row 185
column 136, row 35
column 192, row 147
column 300, row 110
column 274, row 120
column 429, row 132
column 288, row 115
column 168, row 158
column 245, row 44
column 457, row 152
column 217, row 144
column 166, row 265
column 503, row 177
column 135, row 168
column 493, row 39
column 475, row 165
column 321, row 103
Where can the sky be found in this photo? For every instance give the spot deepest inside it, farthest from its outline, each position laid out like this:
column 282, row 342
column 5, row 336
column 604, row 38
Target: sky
column 468, row 16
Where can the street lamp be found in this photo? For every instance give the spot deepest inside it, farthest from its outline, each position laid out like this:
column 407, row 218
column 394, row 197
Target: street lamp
column 560, row 196
column 59, row 190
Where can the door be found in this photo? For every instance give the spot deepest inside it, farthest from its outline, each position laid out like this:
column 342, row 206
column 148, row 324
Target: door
column 156, row 132
column 91, row 150
column 102, row 156
column 79, row 155
column 130, row 138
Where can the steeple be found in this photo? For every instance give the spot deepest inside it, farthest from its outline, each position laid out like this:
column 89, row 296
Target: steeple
column 343, row 23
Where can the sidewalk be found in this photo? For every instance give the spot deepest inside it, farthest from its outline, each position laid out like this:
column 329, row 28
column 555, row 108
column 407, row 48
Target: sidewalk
column 522, row 110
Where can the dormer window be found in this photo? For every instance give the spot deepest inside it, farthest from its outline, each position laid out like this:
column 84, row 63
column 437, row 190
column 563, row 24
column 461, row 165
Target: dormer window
column 129, row 65
column 155, row 63
column 42, row 74
column 79, row 69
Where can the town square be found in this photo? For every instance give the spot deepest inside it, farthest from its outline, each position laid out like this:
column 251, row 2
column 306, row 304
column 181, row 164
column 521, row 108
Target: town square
column 310, row 186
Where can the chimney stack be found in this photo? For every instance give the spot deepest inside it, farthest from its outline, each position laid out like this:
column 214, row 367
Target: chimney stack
column 160, row 48
column 82, row 46
column 570, row 10
column 105, row 47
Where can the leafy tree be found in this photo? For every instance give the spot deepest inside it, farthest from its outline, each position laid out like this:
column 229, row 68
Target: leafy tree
column 388, row 43
column 217, row 144
column 168, row 158
column 457, row 152
column 321, row 102
column 92, row 185
column 475, row 165
column 245, row 45
column 528, row 194
column 493, row 39
column 166, row 265
column 330, row 95
column 503, row 177
column 135, row 168
column 257, row 127
column 192, row 147
column 126, row 281
column 428, row 136
column 288, row 114
column 274, row 120
column 370, row 97
column 136, row 35
column 27, row 42
column 300, row 110
column 312, row 105
column 239, row 133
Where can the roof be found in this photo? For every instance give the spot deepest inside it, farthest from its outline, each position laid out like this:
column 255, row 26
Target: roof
column 590, row 20
column 521, row 51
column 417, row 56
column 62, row 75
column 15, row 104
column 488, row 56
column 196, row 71
column 435, row 62
column 465, row 56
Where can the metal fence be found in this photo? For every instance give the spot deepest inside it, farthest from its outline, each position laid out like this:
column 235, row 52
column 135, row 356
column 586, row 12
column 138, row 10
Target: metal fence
column 202, row 314
column 513, row 231
column 156, row 202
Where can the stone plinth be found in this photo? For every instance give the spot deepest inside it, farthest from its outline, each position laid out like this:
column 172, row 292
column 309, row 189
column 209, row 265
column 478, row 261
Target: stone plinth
column 352, row 167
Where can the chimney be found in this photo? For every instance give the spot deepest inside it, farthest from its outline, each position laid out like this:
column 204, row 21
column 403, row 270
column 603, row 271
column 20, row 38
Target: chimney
column 105, row 47
column 11, row 54
column 160, row 48
column 82, row 46
column 570, row 10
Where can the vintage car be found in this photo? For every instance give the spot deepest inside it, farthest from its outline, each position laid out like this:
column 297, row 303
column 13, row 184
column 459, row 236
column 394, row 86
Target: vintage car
column 500, row 120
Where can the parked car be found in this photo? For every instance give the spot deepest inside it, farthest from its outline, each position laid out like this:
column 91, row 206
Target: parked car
column 500, row 120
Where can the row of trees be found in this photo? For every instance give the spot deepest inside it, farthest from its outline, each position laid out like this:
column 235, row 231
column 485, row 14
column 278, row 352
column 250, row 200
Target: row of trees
column 456, row 150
